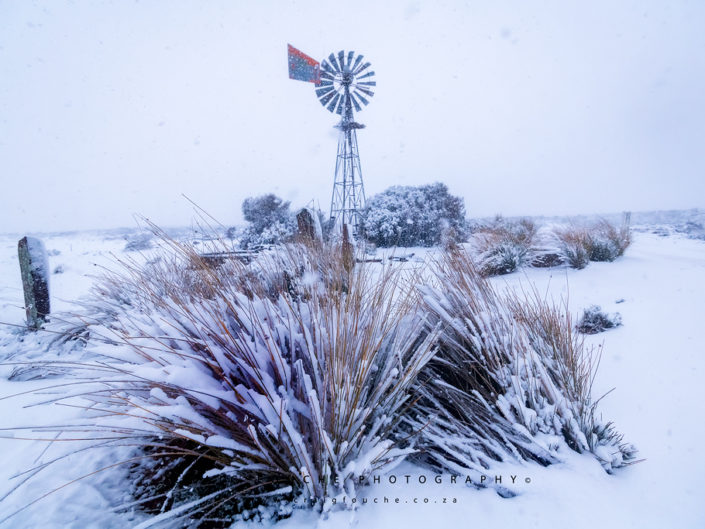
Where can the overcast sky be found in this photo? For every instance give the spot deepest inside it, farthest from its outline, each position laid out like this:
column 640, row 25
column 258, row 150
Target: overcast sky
column 110, row 109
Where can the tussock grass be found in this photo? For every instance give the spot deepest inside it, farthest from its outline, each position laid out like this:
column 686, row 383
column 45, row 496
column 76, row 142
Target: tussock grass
column 571, row 366
column 506, row 370
column 603, row 241
column 606, row 241
column 286, row 378
column 466, row 419
column 573, row 244
column 504, row 246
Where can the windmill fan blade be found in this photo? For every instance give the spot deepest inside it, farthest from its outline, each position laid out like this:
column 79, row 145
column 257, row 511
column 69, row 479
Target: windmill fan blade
column 364, row 83
column 327, row 75
column 334, row 62
column 327, row 68
column 341, row 59
column 341, row 105
column 350, row 57
column 362, row 68
column 368, row 74
column 365, row 91
column 361, row 98
column 331, row 107
column 355, row 103
column 357, row 61
column 324, row 99
column 325, row 83
column 320, row 92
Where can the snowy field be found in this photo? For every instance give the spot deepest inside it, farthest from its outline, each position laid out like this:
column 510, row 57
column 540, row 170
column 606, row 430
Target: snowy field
column 655, row 362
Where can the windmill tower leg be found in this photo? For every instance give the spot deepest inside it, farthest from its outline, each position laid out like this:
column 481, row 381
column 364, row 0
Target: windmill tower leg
column 348, row 198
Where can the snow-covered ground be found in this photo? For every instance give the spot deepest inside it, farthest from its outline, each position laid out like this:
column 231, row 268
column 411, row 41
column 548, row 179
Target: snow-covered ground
column 656, row 362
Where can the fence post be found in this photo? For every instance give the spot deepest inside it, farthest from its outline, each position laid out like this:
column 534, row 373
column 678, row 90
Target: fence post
column 34, row 268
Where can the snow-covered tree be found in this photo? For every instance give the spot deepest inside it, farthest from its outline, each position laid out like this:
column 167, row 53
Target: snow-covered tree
column 270, row 220
column 414, row 216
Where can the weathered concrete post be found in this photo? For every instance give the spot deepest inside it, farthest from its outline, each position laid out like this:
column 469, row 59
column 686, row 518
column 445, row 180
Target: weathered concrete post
column 34, row 267
column 309, row 227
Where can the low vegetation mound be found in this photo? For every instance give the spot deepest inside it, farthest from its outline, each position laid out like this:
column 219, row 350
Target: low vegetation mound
column 298, row 376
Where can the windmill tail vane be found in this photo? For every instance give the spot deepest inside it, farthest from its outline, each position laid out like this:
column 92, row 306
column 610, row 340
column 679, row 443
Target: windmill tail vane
column 302, row 67
column 344, row 83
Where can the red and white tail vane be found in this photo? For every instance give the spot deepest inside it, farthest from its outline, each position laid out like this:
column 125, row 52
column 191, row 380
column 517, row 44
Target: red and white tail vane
column 302, row 67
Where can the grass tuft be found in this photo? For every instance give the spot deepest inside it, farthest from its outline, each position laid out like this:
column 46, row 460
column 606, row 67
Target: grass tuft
column 503, row 246
column 602, row 241
column 507, row 369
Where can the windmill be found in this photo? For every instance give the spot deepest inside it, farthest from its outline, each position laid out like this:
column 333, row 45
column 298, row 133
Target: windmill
column 343, row 83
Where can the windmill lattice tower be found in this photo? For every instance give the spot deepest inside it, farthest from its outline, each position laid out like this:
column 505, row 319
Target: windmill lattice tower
column 343, row 83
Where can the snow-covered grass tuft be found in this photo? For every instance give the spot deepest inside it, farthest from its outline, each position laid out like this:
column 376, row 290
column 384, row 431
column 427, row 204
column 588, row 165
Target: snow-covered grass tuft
column 507, row 370
column 606, row 241
column 504, row 246
column 241, row 385
column 573, row 245
column 602, row 241
column 570, row 367
column 139, row 242
column 594, row 321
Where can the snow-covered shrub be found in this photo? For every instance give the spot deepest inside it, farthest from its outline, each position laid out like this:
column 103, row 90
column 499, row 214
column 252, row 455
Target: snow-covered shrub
column 601, row 241
column 606, row 242
column 139, row 242
column 246, row 385
column 507, row 370
column 594, row 321
column 545, row 251
column 546, row 258
column 502, row 257
column 413, row 216
column 502, row 246
column 270, row 220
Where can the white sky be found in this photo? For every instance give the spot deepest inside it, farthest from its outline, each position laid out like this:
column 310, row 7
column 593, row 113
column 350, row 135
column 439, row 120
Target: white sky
column 108, row 109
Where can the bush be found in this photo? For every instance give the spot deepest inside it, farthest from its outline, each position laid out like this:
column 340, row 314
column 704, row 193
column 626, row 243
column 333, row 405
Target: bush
column 594, row 321
column 414, row 216
column 270, row 220
column 139, row 242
